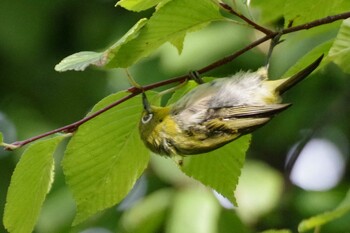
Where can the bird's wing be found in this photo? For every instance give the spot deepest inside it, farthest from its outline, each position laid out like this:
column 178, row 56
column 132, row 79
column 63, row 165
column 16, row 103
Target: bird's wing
column 240, row 119
column 195, row 98
column 245, row 111
column 236, row 126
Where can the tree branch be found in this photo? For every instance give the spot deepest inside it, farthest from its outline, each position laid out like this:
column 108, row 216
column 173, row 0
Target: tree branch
column 135, row 90
column 68, row 128
column 318, row 22
column 250, row 22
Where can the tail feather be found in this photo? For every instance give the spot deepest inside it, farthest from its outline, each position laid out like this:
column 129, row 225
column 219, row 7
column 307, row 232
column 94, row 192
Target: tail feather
column 290, row 82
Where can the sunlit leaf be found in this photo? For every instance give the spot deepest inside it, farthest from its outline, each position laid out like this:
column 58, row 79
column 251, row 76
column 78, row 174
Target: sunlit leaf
column 147, row 215
column 1, row 139
column 172, row 20
column 105, row 157
column 318, row 220
column 169, row 23
column 177, row 42
column 221, row 168
column 79, row 61
column 30, row 183
column 138, row 5
column 340, row 51
column 193, row 211
column 299, row 12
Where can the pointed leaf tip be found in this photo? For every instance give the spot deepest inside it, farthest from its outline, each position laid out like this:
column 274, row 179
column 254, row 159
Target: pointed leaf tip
column 79, row 61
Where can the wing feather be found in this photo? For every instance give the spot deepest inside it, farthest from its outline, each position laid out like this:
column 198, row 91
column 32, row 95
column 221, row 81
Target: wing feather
column 244, row 111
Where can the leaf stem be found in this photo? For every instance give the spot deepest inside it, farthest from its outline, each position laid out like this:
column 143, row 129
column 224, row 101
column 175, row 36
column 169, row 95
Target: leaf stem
column 137, row 90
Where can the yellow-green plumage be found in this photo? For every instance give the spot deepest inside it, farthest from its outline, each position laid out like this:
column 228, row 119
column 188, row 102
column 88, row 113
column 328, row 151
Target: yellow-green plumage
column 216, row 113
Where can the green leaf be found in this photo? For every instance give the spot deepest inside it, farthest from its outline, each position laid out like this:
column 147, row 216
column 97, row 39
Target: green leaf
column 138, row 5
column 340, row 51
column 177, row 42
column 194, row 211
column 326, row 217
column 169, row 23
column 300, row 12
column 309, row 58
column 79, row 61
column 30, row 183
column 147, row 215
column 172, row 20
column 270, row 10
column 105, row 157
column 1, row 139
column 221, row 168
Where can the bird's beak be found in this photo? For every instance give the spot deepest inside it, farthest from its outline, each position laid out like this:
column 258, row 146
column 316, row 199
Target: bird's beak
column 146, row 105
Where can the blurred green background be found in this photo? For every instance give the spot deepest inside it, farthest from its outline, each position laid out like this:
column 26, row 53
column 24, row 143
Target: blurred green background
column 35, row 36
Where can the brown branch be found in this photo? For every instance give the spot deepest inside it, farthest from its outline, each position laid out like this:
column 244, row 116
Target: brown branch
column 135, row 91
column 318, row 22
column 250, row 22
column 68, row 128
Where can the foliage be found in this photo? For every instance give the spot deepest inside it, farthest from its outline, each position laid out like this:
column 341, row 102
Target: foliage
column 339, row 52
column 31, row 181
column 224, row 168
column 97, row 161
column 105, row 157
column 169, row 23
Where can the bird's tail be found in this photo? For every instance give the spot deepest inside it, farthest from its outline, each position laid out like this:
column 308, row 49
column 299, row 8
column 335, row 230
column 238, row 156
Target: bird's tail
column 290, row 82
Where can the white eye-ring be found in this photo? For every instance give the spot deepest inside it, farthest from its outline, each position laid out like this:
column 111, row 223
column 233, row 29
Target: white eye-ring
column 146, row 118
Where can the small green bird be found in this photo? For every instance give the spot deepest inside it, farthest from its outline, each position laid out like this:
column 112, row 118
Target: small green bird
column 216, row 113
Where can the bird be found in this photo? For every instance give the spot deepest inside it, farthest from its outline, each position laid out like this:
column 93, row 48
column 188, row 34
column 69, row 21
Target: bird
column 216, row 113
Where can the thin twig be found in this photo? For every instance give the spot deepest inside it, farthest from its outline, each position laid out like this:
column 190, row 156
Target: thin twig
column 250, row 22
column 318, row 22
column 136, row 90
column 233, row 56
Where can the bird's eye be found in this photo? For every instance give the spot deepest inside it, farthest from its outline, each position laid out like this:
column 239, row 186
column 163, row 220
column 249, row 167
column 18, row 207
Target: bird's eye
column 146, row 118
